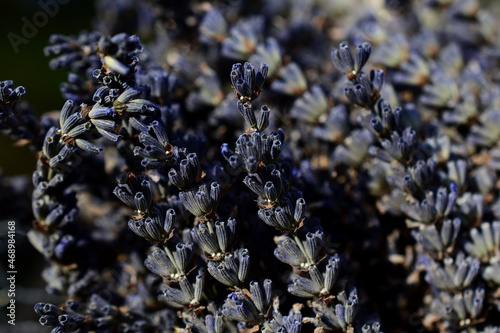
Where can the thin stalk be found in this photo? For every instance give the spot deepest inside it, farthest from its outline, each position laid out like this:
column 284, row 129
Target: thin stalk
column 302, row 249
column 172, row 259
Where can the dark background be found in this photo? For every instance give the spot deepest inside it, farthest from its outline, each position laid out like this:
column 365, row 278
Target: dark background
column 29, row 66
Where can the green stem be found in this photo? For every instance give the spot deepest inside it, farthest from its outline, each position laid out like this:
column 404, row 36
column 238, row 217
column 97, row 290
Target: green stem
column 210, row 227
column 302, row 249
column 50, row 174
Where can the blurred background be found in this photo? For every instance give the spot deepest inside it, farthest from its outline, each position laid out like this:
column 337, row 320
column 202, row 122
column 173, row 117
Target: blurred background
column 28, row 67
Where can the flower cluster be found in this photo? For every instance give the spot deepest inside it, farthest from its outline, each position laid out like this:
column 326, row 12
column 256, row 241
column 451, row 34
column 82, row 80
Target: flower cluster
column 280, row 166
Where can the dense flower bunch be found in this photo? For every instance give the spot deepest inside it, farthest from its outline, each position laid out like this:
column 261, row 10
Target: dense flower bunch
column 300, row 166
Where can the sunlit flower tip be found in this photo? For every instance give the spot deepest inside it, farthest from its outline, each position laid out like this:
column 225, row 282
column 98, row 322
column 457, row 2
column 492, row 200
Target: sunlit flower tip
column 342, row 58
column 137, row 194
column 9, row 94
column 365, row 91
column 415, row 72
column 163, row 263
column 460, row 308
column 247, row 113
column 226, row 232
column 445, row 202
column 215, row 243
column 47, row 309
column 373, row 328
column 261, row 295
column 205, row 239
column 233, row 269
column 243, row 38
column 159, row 263
column 290, row 253
column 240, row 307
column 187, row 294
column 215, row 324
column 271, row 190
column 157, row 152
column 341, row 315
column 247, row 83
column 201, row 202
column 50, row 321
column 363, row 52
column 53, row 316
column 71, row 322
column 419, row 176
column 263, row 119
column 253, row 151
column 377, row 79
column 222, row 273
